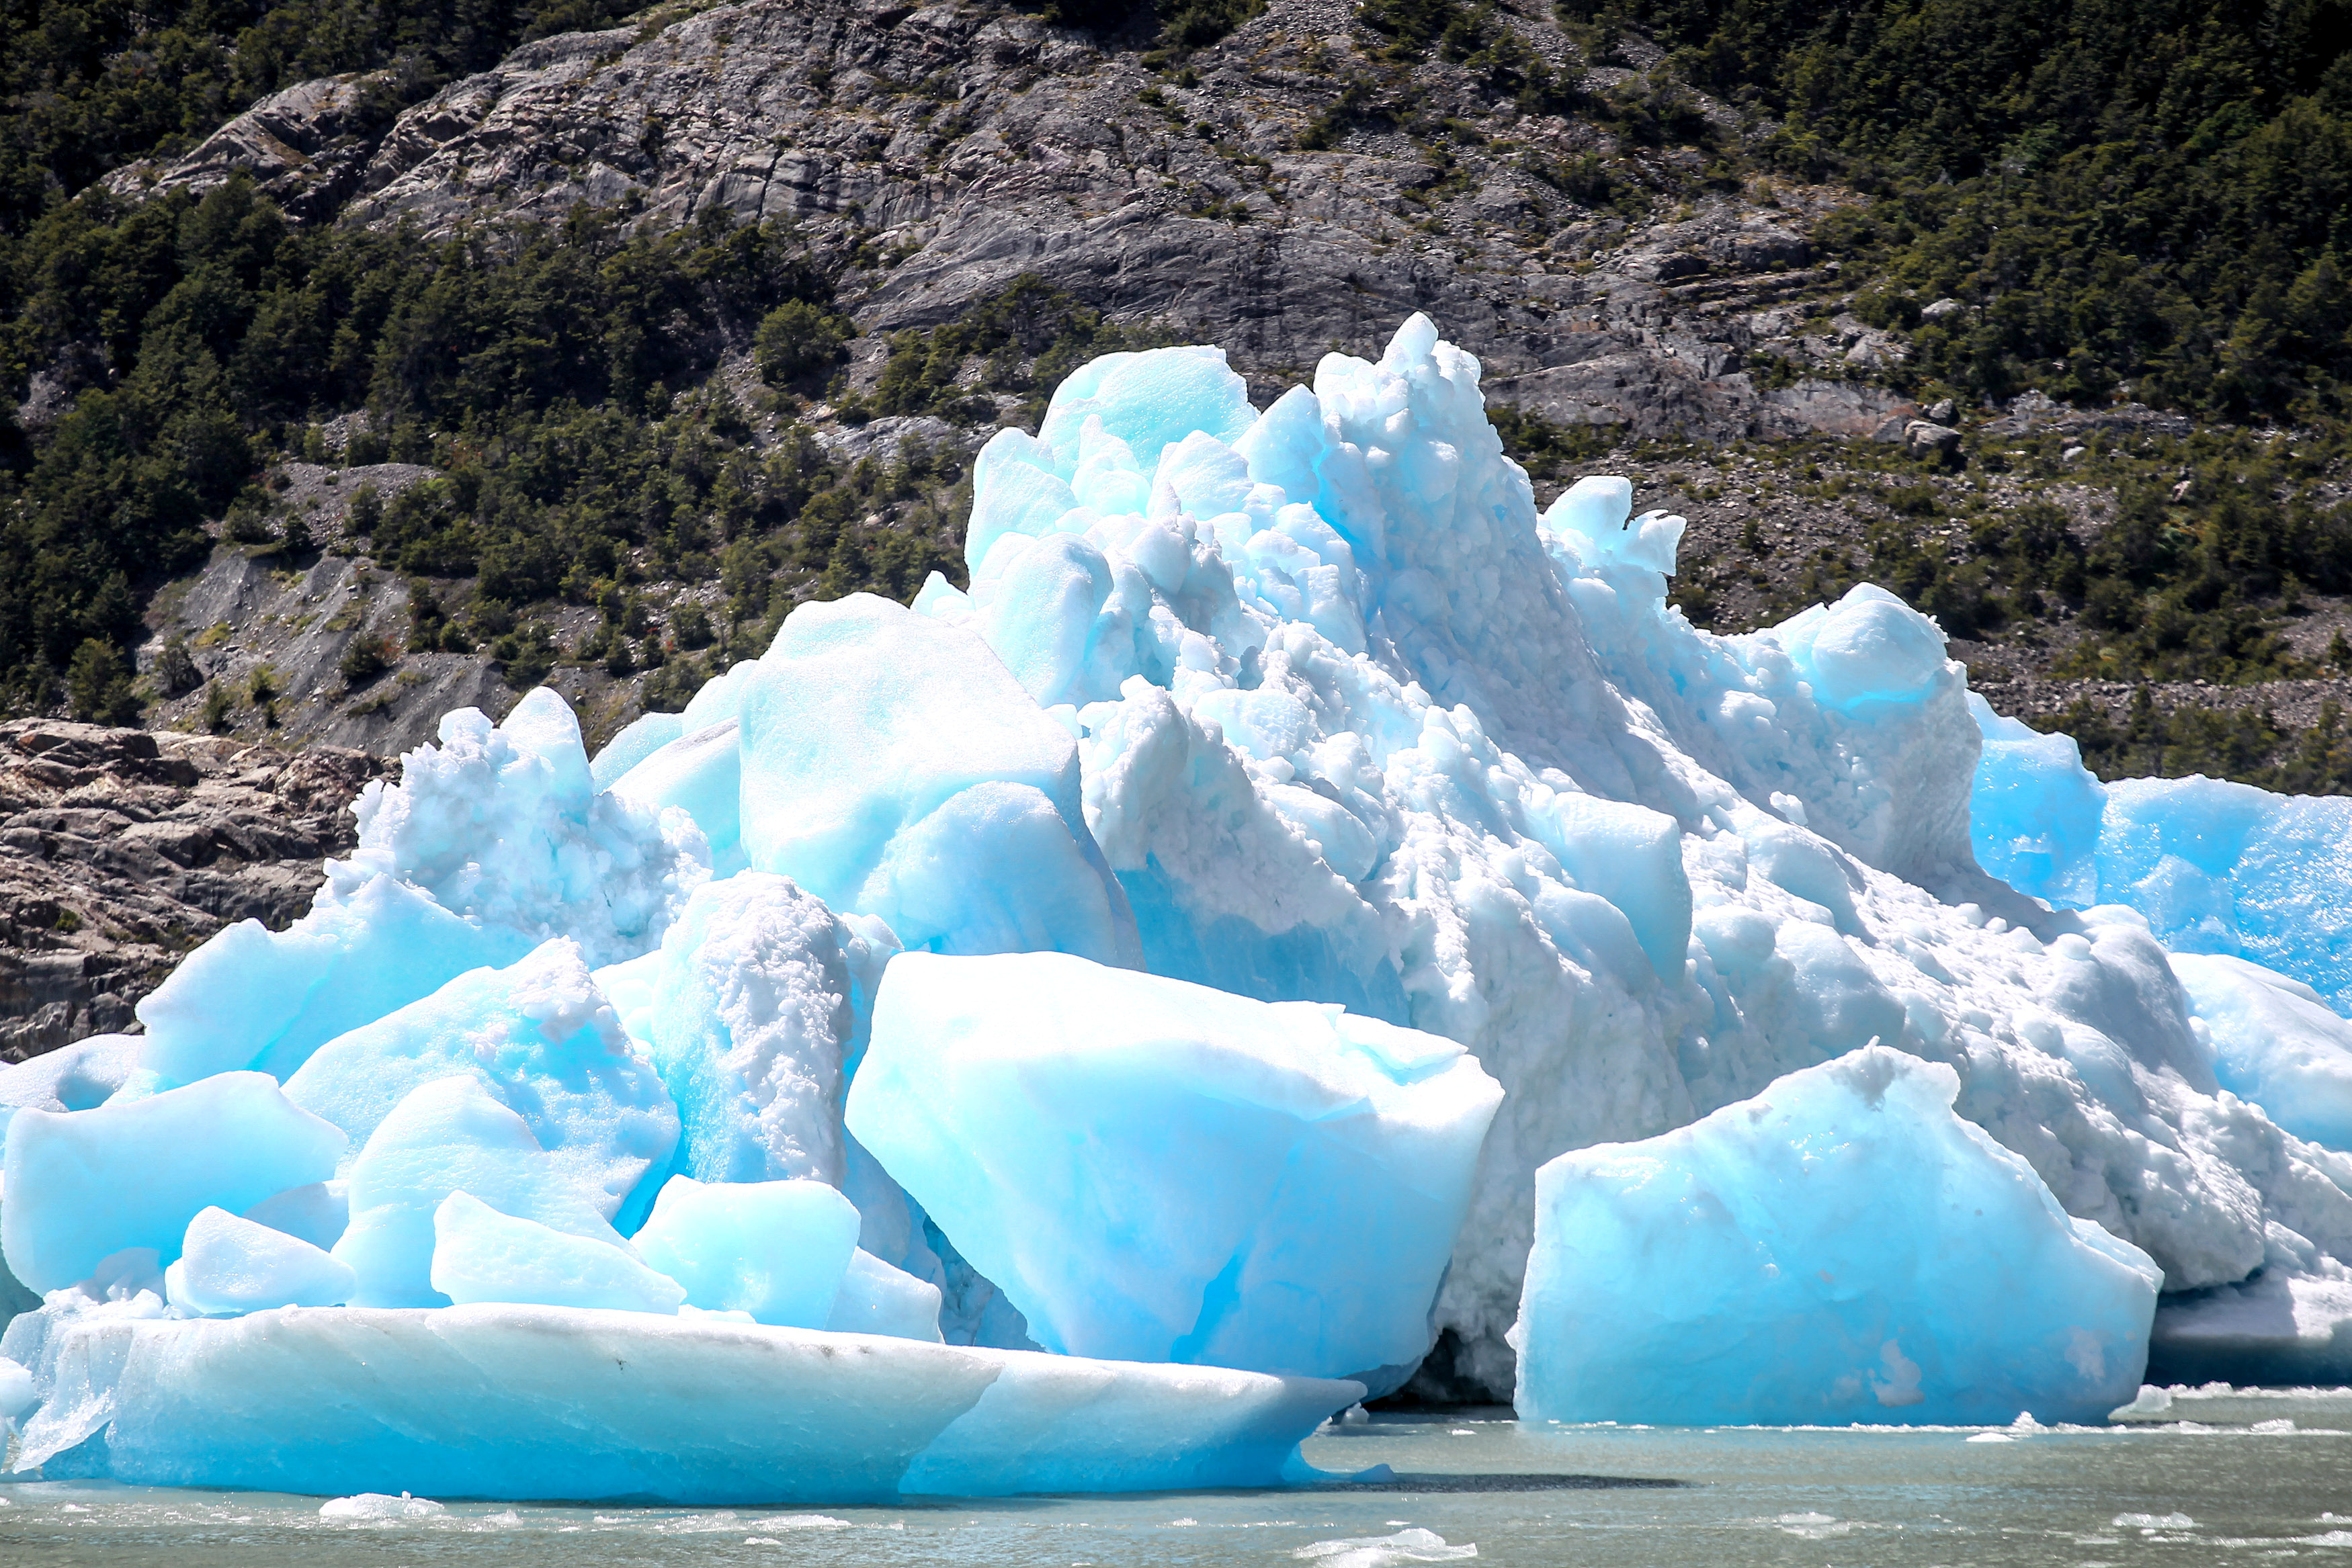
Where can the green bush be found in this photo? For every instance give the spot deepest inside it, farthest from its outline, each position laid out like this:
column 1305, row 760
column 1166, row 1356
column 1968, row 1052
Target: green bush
column 97, row 686
column 797, row 340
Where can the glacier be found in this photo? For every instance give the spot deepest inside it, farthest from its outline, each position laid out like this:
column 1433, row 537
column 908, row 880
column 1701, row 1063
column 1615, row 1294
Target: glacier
column 1113, row 1015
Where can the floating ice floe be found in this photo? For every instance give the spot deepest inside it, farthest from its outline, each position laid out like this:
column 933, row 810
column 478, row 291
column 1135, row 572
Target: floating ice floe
column 538, row 1402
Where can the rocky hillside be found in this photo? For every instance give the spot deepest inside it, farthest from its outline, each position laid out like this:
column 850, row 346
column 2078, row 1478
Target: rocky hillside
column 406, row 387
column 1295, row 187
column 119, row 850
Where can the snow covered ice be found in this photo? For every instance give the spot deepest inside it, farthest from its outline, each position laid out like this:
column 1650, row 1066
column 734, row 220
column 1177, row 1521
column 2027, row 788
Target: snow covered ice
column 1840, row 1248
column 1283, row 785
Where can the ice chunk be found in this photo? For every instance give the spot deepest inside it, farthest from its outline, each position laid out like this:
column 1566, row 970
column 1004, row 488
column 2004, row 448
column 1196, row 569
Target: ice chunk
column 640, row 739
column 84, row 1185
column 1040, row 616
column 1148, row 402
column 1840, row 1248
column 540, row 1037
column 317, row 1212
column 493, row 841
column 1231, row 888
column 776, row 1249
column 1869, row 648
column 1630, row 855
column 2227, row 868
column 2275, row 1044
column 17, row 1392
column 74, row 1077
column 448, row 1135
column 1385, row 1550
column 481, row 1255
column 1597, row 513
column 875, row 1298
column 503, row 825
column 2034, row 811
column 374, row 1506
column 750, row 1018
column 255, row 997
column 701, row 773
column 1152, row 1170
column 544, row 1403
column 232, row 1265
column 892, row 767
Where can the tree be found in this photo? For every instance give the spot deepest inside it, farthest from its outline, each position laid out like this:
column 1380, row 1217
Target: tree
column 97, row 686
column 798, row 339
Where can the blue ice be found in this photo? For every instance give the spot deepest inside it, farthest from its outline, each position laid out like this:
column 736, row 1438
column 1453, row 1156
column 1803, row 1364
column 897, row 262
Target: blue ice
column 1155, row 1171
column 1840, row 1248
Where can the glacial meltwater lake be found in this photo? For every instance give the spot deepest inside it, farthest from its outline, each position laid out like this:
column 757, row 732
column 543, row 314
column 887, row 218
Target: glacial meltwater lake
column 2252, row 1478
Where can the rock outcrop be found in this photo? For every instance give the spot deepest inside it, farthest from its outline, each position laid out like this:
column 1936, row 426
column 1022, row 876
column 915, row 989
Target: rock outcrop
column 119, row 850
column 1295, row 188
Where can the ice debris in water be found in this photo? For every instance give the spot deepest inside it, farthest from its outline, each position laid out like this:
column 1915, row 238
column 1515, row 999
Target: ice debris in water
column 1415, row 1545
column 1840, row 1248
column 1283, row 785
column 374, row 1506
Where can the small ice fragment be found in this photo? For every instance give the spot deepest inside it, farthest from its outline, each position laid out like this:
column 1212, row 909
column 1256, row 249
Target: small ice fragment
column 1461, row 1432
column 1992, row 1437
column 1354, row 1416
column 380, row 1505
column 2153, row 1521
column 1385, row 1550
column 1377, row 1473
column 1182, row 1523
column 2283, row 1423
column 808, row 1522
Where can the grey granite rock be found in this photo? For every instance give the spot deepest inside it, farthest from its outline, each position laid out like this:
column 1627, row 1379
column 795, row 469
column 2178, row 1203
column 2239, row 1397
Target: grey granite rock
column 933, row 153
column 119, row 850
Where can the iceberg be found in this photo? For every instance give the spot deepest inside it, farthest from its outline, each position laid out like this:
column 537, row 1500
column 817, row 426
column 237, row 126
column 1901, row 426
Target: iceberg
column 1154, row 1171
column 1840, row 1248
column 1176, row 954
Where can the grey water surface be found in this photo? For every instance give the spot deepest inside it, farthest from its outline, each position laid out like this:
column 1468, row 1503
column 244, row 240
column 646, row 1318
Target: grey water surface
column 2263, row 1477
